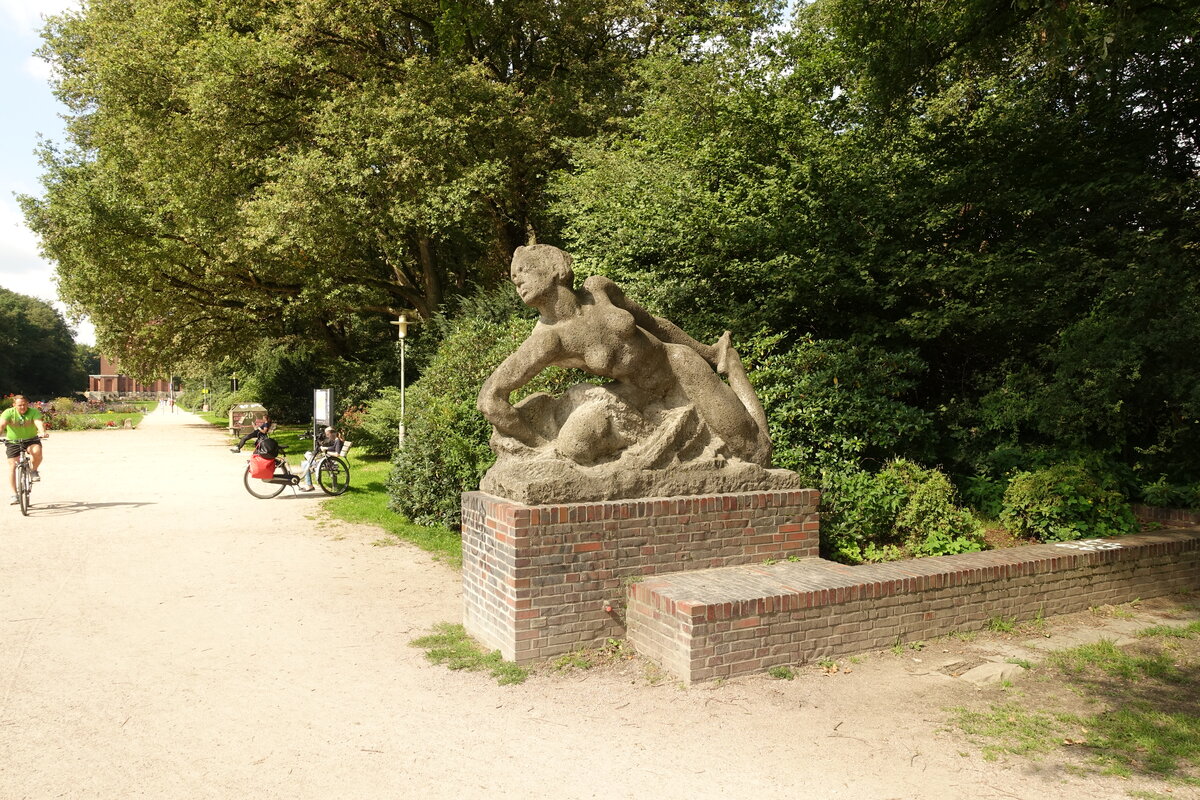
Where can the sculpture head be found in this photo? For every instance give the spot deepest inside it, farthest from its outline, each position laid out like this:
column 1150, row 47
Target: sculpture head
column 537, row 268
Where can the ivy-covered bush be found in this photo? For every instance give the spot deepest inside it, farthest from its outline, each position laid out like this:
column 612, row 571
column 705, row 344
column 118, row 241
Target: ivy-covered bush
column 1062, row 503
column 903, row 511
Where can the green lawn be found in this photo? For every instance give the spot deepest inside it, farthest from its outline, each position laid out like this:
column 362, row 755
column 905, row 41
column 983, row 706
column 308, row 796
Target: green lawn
column 367, row 501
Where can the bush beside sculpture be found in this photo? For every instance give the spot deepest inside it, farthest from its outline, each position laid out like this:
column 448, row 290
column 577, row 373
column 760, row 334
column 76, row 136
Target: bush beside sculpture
column 446, row 448
column 1062, row 503
column 903, row 511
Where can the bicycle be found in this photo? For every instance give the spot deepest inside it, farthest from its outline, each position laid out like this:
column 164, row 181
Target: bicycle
column 332, row 472
column 23, row 479
column 333, row 476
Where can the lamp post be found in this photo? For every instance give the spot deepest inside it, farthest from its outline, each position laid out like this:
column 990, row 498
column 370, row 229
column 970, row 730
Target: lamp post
column 402, row 325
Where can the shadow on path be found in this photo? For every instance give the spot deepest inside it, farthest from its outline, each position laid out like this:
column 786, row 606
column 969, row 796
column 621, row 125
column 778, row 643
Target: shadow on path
column 77, row 507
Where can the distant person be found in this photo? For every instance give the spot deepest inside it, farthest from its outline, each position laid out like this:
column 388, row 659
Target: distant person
column 25, row 429
column 262, row 427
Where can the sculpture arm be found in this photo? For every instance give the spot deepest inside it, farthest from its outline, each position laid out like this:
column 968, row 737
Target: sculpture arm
column 535, row 354
column 663, row 329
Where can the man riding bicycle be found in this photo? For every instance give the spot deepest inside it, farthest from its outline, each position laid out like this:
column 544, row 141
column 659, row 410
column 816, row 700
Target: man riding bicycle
column 25, row 430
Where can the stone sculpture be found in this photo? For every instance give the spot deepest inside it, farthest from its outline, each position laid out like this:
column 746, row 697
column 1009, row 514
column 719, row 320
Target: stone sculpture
column 665, row 424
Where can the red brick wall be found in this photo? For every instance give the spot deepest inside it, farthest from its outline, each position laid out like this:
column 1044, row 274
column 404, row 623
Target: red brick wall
column 728, row 622
column 537, row 579
column 1171, row 516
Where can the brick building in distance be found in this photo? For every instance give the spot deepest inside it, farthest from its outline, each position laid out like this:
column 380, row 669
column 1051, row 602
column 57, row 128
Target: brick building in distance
column 110, row 383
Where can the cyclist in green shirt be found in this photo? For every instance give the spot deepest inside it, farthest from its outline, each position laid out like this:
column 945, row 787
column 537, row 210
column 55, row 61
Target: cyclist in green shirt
column 25, row 430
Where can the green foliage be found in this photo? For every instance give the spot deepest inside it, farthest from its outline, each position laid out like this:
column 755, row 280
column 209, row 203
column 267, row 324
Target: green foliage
column 983, row 493
column 833, row 405
column 927, row 180
column 240, row 172
column 450, row 645
column 283, row 380
column 446, row 446
column 782, row 673
column 445, row 453
column 1062, row 503
column 375, row 425
column 903, row 511
column 1161, row 493
column 39, row 357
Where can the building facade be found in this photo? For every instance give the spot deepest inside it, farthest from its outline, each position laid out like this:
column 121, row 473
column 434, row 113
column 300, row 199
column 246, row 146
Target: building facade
column 111, row 383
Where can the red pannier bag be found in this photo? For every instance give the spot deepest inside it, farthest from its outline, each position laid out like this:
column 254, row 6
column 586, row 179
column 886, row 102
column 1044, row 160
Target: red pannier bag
column 261, row 467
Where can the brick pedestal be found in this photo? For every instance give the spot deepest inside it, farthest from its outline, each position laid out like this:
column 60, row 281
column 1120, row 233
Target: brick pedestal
column 539, row 581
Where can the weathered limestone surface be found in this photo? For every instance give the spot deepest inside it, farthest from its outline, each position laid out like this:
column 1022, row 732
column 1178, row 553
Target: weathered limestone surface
column 666, row 423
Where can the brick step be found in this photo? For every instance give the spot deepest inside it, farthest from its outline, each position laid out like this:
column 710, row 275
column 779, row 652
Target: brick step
column 719, row 623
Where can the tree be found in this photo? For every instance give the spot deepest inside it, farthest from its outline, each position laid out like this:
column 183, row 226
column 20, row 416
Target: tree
column 1006, row 190
column 39, row 355
column 240, row 172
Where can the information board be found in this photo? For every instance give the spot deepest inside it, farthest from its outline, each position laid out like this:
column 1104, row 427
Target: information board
column 322, row 406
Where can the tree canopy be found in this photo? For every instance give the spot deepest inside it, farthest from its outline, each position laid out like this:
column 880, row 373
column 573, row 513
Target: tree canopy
column 1007, row 190
column 236, row 172
column 39, row 357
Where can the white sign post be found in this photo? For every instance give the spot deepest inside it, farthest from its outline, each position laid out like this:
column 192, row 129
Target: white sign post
column 322, row 406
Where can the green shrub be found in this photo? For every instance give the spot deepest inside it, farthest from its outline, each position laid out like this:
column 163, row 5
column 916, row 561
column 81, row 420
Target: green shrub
column 902, row 511
column 831, row 404
column 375, row 425
column 445, row 453
column 1163, row 494
column 1062, row 503
column 446, row 446
column 983, row 493
column 1191, row 495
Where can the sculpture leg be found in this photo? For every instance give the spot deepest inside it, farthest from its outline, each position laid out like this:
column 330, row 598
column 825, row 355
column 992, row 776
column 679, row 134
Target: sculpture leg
column 721, row 406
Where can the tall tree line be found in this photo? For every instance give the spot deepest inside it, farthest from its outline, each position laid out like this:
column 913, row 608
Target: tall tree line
column 241, row 171
column 1006, row 192
column 38, row 354
column 968, row 229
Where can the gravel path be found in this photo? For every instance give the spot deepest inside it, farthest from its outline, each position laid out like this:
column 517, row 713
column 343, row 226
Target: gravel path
column 163, row 634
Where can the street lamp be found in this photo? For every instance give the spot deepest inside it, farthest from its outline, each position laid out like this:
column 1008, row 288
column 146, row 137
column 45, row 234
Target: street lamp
column 402, row 324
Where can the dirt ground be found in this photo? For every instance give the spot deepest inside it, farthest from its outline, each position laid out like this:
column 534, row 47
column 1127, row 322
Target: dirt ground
column 164, row 634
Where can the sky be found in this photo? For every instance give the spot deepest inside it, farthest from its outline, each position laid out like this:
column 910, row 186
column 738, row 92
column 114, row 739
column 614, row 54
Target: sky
column 29, row 110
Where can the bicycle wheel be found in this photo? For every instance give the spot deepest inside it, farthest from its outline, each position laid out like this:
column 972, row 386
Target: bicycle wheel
column 24, row 484
column 333, row 475
column 263, row 490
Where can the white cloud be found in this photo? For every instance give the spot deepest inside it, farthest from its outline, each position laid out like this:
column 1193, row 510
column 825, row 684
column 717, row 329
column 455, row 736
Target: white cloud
column 25, row 16
column 37, row 68
column 23, row 271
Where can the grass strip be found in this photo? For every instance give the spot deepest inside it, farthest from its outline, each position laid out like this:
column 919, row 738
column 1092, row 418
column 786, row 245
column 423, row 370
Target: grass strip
column 366, row 502
column 450, row 645
column 1015, row 730
column 1104, row 656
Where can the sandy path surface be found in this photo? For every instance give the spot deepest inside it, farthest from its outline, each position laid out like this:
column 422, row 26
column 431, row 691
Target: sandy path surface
column 163, row 634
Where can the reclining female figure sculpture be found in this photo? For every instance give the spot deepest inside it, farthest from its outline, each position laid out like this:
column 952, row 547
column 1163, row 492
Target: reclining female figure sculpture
column 665, row 406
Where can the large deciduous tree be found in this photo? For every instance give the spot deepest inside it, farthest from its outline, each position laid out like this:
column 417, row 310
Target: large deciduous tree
column 241, row 170
column 38, row 357
column 1010, row 190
